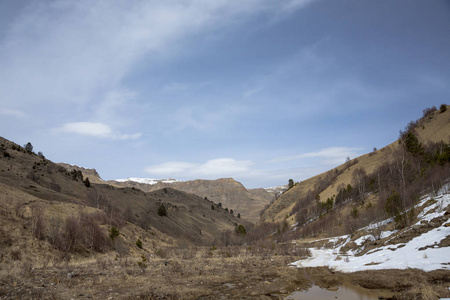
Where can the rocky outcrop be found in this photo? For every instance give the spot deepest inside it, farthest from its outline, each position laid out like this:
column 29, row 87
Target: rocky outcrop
column 92, row 174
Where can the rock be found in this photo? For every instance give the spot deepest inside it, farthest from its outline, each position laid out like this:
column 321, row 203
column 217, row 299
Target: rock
column 26, row 212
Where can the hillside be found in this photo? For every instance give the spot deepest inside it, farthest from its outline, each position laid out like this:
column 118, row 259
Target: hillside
column 226, row 191
column 368, row 178
column 46, row 185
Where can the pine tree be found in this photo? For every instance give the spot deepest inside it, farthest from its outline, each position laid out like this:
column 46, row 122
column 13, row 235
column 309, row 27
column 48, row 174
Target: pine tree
column 162, row 210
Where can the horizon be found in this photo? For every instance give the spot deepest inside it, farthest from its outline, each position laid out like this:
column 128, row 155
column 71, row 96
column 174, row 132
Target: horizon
column 260, row 92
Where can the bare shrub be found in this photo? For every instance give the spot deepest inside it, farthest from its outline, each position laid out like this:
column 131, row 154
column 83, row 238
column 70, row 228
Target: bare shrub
column 428, row 111
column 37, row 222
column 71, row 235
column 26, row 269
column 103, row 263
column 163, row 253
column 94, row 237
column 176, row 267
column 16, row 254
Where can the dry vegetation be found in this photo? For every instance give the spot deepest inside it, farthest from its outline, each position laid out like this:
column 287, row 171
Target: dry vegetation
column 63, row 237
column 375, row 186
column 169, row 273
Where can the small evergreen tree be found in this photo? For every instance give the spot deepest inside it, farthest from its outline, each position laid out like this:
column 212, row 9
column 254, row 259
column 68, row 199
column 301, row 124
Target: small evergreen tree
column 28, row 147
column 443, row 108
column 239, row 215
column 290, row 184
column 113, row 232
column 240, row 230
column 86, row 182
column 162, row 210
column 139, row 243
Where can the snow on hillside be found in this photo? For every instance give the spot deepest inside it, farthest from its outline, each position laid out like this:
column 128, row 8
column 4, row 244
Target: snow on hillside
column 147, row 180
column 277, row 189
column 421, row 252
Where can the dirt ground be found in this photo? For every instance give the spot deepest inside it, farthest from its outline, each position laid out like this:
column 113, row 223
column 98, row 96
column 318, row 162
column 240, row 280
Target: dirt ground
column 225, row 273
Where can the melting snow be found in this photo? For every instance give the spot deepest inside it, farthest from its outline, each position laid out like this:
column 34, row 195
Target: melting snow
column 397, row 256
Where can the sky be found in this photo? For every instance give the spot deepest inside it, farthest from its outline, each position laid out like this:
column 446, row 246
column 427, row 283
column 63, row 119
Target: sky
column 262, row 91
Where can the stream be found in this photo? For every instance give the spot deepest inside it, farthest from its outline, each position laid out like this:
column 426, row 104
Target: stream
column 347, row 292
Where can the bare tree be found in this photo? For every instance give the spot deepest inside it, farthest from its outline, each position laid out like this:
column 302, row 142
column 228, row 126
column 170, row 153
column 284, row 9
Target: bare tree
column 37, row 222
column 359, row 177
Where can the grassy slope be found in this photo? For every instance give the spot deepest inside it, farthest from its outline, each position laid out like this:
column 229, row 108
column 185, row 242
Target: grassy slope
column 434, row 128
column 28, row 180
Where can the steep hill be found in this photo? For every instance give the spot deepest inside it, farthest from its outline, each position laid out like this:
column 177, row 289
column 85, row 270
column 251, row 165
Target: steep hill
column 362, row 186
column 227, row 191
column 30, row 181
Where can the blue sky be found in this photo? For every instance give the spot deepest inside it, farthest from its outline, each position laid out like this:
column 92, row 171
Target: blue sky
column 261, row 91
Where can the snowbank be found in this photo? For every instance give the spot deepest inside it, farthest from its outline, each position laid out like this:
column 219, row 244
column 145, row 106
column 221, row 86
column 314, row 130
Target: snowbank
column 421, row 252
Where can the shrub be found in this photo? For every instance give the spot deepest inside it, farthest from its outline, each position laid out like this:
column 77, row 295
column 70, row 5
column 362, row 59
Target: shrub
column 162, row 210
column 354, row 213
column 443, row 108
column 37, row 223
column 86, row 182
column 240, row 230
column 139, row 243
column 428, row 111
column 16, row 254
column 113, row 232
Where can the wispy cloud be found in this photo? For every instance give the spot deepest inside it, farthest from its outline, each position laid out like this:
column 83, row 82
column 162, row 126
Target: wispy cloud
column 12, row 112
column 246, row 171
column 97, row 130
column 221, row 167
column 329, row 156
column 293, row 5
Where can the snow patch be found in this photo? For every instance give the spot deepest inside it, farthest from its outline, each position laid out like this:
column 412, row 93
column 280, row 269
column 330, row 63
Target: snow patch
column 421, row 252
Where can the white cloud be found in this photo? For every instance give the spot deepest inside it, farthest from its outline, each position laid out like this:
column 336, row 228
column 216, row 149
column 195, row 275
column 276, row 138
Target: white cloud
column 244, row 171
column 96, row 130
column 293, row 5
column 12, row 112
column 328, row 156
column 221, row 167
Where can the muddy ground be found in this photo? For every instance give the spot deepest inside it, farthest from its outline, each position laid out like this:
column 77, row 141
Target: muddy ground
column 229, row 273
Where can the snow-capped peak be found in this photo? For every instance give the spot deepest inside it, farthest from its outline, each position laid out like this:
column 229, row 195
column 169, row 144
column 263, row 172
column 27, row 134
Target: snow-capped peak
column 147, row 180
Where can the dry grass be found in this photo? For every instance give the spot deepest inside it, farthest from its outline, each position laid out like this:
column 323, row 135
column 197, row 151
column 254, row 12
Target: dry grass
column 236, row 272
column 232, row 272
column 434, row 128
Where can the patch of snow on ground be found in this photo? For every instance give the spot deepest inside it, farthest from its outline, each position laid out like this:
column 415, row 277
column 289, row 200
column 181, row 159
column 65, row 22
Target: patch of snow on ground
column 385, row 234
column 398, row 256
column 364, row 238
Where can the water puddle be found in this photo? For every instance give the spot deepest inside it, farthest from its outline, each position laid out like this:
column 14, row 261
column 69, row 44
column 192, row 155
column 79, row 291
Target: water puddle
column 347, row 292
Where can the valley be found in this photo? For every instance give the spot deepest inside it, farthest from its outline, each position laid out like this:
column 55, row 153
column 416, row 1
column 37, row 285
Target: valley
column 378, row 222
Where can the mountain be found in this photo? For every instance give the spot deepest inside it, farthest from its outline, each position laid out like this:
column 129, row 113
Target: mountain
column 382, row 183
column 226, row 191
